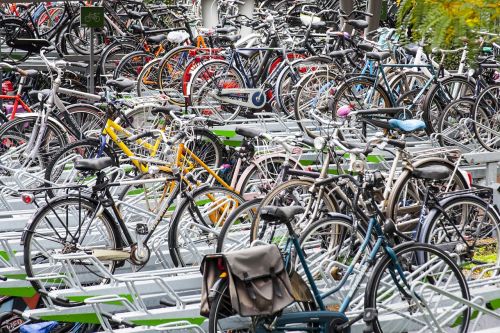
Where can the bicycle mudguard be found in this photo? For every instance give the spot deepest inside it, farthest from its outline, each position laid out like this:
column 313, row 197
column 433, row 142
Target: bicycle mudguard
column 330, row 320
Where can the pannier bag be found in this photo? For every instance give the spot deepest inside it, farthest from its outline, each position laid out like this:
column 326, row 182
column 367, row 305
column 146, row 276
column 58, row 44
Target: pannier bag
column 258, row 281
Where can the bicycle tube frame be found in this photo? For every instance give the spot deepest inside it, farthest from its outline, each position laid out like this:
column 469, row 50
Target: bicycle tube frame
column 17, row 100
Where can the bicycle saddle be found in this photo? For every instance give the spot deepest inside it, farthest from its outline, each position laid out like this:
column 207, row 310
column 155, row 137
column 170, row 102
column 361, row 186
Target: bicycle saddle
column 156, row 39
column 33, row 94
column 365, row 47
column 137, row 15
column 358, row 24
column 230, row 38
column 282, row 214
column 121, row 84
column 93, row 164
column 340, row 53
column 379, row 56
column 166, row 109
column 411, row 49
column 248, row 132
column 435, row 172
column 407, row 126
column 30, row 72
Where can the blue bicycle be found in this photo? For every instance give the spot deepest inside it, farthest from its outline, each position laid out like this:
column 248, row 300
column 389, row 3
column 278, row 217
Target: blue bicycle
column 336, row 255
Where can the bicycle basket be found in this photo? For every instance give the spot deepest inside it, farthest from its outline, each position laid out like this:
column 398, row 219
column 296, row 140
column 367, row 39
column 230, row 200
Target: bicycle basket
column 258, row 281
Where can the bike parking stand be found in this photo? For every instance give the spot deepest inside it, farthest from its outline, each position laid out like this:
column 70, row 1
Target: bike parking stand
column 491, row 160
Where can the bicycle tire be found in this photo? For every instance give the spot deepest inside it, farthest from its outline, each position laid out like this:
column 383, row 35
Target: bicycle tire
column 52, row 173
column 406, row 176
column 406, row 256
column 189, row 207
column 487, row 105
column 270, row 199
column 16, row 28
column 438, row 97
column 31, row 244
column 244, row 212
column 468, row 209
column 131, row 65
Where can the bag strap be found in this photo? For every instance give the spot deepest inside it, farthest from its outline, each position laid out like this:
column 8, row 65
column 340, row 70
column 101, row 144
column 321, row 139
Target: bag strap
column 249, row 286
column 276, row 285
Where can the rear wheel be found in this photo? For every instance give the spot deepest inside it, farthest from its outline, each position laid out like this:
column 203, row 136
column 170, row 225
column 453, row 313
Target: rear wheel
column 68, row 225
column 487, row 118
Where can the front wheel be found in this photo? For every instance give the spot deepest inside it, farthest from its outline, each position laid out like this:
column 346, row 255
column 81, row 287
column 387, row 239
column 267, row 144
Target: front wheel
column 197, row 222
column 411, row 295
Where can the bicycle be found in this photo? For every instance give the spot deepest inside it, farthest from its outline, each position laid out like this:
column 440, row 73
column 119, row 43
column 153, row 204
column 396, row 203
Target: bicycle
column 398, row 277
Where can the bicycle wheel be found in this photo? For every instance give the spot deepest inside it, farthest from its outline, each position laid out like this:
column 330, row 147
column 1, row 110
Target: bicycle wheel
column 419, row 302
column 440, row 95
column 197, row 221
column 16, row 134
column 68, row 225
column 131, row 65
column 294, row 192
column 235, row 233
column 451, row 129
column 206, row 83
column 12, row 28
column 147, row 81
column 78, row 37
column 261, row 177
column 60, row 169
column 405, row 200
column 110, row 58
column 487, row 118
column 360, row 93
column 86, row 118
column 467, row 226
column 287, row 80
column 330, row 245
column 313, row 93
column 223, row 318
column 171, row 72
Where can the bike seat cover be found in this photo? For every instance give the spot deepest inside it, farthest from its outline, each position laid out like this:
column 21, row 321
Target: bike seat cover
column 248, row 132
column 344, row 110
column 94, row 164
column 121, row 84
column 434, row 172
column 282, row 214
column 379, row 56
column 407, row 126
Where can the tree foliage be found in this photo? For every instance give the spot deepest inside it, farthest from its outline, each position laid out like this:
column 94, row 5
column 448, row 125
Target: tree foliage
column 443, row 22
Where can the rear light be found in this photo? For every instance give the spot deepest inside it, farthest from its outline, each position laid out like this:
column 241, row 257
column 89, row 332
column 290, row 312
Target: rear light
column 27, row 198
column 469, row 178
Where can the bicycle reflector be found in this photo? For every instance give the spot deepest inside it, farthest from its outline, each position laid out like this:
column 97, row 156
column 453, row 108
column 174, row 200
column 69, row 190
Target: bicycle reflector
column 27, row 198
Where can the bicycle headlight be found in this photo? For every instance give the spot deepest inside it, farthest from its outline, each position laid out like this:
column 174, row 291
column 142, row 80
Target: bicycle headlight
column 358, row 166
column 40, row 97
column 471, row 72
column 319, row 143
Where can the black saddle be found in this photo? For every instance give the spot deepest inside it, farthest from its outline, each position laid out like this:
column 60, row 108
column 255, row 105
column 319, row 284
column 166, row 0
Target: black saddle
column 281, row 214
column 435, row 172
column 166, row 109
column 121, row 84
column 379, row 56
column 94, row 164
column 248, row 132
column 358, row 24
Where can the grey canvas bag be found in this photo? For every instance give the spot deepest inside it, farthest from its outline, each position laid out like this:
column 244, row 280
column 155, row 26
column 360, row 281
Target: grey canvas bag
column 258, row 281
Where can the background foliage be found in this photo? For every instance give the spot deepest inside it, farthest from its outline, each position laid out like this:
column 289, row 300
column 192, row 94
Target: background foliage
column 443, row 22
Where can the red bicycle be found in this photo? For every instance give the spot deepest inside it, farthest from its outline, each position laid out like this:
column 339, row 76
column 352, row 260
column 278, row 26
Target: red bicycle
column 15, row 102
